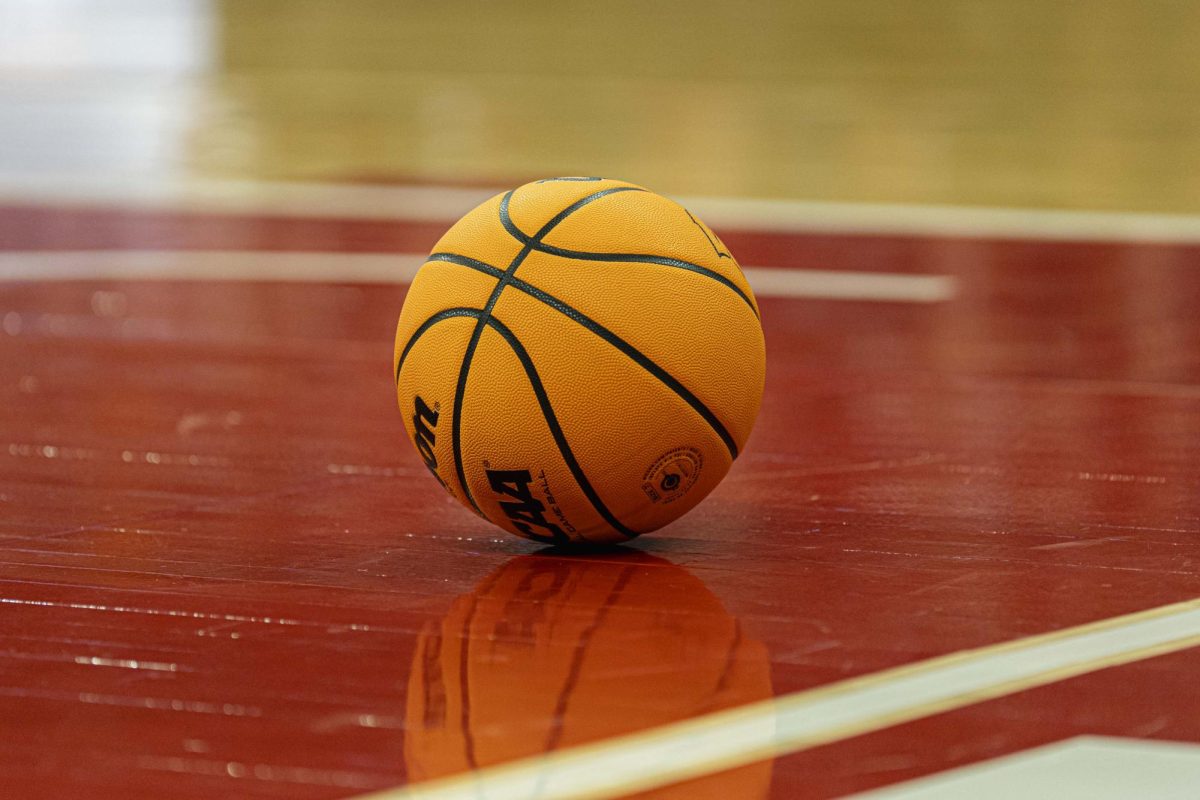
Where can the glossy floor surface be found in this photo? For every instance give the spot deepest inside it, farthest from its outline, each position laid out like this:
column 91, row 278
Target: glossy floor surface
column 224, row 572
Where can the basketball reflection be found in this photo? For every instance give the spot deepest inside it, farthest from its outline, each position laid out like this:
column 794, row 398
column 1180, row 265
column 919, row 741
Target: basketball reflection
column 549, row 652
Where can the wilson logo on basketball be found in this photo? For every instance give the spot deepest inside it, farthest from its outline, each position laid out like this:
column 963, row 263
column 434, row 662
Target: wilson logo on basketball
column 424, row 420
column 524, row 510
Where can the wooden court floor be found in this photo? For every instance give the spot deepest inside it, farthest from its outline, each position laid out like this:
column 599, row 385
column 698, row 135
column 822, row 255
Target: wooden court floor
column 225, row 573
column 960, row 553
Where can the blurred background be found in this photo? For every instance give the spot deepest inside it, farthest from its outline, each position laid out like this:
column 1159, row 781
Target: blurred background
column 1018, row 103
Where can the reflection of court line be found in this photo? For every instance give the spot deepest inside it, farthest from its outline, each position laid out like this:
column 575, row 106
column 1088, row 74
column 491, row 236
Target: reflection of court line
column 400, row 268
column 733, row 738
column 447, row 203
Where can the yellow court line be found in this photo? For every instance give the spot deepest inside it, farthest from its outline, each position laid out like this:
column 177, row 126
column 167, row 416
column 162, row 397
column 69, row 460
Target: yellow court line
column 735, row 737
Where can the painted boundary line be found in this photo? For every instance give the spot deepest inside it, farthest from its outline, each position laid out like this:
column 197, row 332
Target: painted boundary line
column 788, row 724
column 237, row 265
column 1091, row 767
column 439, row 203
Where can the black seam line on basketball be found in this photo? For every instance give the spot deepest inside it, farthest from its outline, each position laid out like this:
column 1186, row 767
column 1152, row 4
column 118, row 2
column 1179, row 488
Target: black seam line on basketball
column 696, row 222
column 536, row 243
column 604, row 333
column 473, row 343
column 638, row 258
column 536, row 239
column 454, row 258
column 429, row 323
column 543, row 401
column 556, row 430
column 636, row 356
column 465, row 367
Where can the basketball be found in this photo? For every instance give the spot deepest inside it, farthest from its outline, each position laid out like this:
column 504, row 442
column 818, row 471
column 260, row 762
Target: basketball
column 579, row 361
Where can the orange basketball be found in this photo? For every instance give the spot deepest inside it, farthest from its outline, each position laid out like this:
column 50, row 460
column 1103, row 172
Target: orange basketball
column 579, row 360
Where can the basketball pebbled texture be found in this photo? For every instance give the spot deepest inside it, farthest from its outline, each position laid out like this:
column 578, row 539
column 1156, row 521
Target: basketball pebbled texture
column 579, row 361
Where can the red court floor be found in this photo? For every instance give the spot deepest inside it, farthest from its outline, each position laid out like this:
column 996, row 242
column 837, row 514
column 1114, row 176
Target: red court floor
column 225, row 573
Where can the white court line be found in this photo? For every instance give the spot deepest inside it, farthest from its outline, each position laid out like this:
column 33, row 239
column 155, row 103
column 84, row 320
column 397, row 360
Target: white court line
column 239, row 265
column 441, row 203
column 1081, row 768
column 351, row 201
column 831, row 285
column 728, row 739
